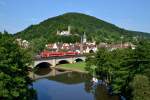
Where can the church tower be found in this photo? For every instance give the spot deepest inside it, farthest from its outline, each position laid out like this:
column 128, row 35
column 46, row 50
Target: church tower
column 69, row 29
column 58, row 32
column 81, row 46
column 84, row 38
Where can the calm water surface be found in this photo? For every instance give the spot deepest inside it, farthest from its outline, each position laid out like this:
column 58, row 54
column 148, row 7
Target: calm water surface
column 60, row 85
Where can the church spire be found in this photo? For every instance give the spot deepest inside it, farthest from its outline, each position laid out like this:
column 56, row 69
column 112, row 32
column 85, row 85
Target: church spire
column 69, row 29
column 81, row 45
column 84, row 38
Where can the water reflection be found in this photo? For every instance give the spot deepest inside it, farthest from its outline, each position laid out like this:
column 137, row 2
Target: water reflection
column 42, row 71
column 70, row 78
column 69, row 86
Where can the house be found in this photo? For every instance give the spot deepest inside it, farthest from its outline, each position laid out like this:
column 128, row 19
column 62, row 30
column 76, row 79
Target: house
column 76, row 47
column 22, row 43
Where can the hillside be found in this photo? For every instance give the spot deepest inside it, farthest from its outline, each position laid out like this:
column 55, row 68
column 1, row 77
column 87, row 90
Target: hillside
column 94, row 28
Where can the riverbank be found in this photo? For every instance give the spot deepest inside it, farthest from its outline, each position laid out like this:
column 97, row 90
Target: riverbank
column 77, row 67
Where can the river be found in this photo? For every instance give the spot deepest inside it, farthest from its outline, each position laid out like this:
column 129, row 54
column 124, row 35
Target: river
column 63, row 85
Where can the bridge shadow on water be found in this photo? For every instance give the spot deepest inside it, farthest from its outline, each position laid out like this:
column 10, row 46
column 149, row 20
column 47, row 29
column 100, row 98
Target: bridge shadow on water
column 43, row 68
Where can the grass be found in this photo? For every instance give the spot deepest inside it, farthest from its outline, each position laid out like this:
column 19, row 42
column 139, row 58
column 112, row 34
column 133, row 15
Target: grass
column 80, row 66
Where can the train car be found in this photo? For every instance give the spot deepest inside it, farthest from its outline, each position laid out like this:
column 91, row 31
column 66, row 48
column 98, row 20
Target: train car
column 46, row 54
column 56, row 54
column 71, row 53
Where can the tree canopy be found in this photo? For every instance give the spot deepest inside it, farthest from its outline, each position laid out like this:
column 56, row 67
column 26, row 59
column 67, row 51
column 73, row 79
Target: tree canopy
column 14, row 80
column 124, row 70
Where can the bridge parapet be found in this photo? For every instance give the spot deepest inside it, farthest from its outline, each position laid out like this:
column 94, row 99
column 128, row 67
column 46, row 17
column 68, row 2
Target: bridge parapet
column 57, row 57
column 53, row 61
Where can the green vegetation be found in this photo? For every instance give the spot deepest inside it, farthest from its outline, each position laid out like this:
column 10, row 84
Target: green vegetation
column 80, row 66
column 95, row 29
column 141, row 87
column 124, row 70
column 14, row 79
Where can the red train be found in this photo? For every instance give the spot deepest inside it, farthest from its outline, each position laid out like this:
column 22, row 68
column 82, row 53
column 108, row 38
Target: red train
column 46, row 54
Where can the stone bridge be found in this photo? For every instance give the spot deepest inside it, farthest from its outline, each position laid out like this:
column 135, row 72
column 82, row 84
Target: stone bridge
column 53, row 61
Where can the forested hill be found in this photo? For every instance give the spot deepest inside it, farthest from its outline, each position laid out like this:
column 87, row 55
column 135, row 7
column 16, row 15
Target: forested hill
column 94, row 28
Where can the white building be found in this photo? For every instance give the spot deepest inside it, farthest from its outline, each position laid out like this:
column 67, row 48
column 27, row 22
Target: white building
column 22, row 43
column 68, row 32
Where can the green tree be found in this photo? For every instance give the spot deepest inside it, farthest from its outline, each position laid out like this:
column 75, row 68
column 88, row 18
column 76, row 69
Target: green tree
column 141, row 56
column 140, row 65
column 14, row 78
column 112, row 66
column 121, row 70
column 141, row 88
column 120, row 66
column 101, row 63
column 38, row 45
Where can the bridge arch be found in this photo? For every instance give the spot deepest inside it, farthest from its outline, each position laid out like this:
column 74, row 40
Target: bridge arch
column 79, row 60
column 43, row 65
column 91, row 51
column 63, row 62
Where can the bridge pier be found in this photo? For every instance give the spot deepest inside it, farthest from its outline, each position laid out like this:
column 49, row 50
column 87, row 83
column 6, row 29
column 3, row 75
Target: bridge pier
column 54, row 63
column 53, row 72
column 72, row 60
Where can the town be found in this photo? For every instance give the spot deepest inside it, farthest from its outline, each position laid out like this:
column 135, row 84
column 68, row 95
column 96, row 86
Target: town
column 82, row 47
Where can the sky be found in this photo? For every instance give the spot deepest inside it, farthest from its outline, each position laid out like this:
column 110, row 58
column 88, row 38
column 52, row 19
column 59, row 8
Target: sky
column 16, row 15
